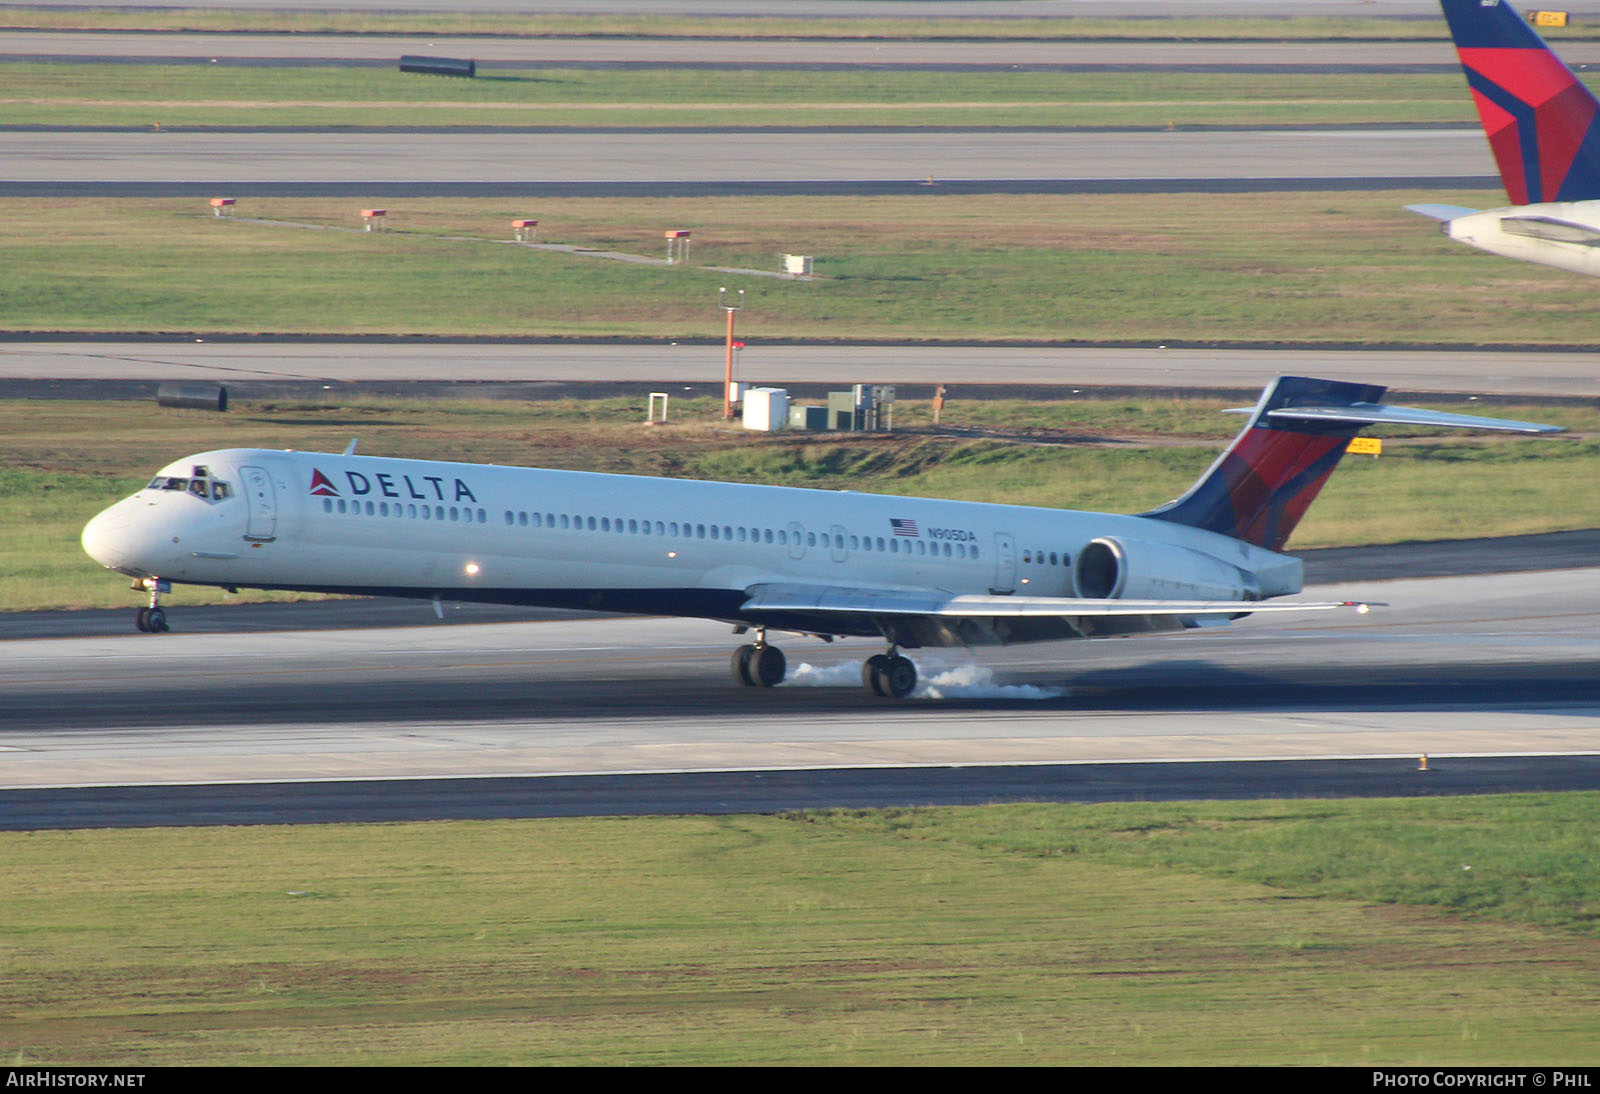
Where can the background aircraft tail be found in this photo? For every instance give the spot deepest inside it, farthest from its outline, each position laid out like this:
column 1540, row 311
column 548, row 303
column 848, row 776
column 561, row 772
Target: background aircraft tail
column 1263, row 484
column 1539, row 118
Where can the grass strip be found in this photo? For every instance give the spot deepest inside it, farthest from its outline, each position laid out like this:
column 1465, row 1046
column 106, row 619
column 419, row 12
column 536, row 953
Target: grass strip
column 189, row 95
column 1294, row 267
column 1367, row 933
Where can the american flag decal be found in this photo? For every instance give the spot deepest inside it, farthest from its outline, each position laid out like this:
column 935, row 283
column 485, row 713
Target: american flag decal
column 903, row 527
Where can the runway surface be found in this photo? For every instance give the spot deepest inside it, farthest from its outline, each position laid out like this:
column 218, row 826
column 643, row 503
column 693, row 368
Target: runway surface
column 247, row 366
column 1472, row 666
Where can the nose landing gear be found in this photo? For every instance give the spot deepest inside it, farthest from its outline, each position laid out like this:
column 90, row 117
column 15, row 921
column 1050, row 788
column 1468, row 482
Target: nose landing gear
column 152, row 620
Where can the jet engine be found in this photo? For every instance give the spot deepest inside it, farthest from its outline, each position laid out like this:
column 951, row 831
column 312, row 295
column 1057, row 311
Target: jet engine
column 1136, row 569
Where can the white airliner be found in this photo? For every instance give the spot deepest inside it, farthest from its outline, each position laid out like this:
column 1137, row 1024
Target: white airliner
column 1543, row 127
column 913, row 571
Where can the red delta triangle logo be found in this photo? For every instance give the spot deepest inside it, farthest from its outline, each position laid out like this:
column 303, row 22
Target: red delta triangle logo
column 321, row 487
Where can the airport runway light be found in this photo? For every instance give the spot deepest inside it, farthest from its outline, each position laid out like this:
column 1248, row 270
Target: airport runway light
column 727, row 372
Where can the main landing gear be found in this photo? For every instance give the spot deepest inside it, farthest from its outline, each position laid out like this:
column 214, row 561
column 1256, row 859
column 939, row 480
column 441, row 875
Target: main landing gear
column 152, row 620
column 889, row 674
column 758, row 665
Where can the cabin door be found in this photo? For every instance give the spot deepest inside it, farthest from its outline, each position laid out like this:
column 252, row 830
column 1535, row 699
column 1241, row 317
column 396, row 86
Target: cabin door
column 836, row 543
column 1005, row 564
column 797, row 540
column 263, row 503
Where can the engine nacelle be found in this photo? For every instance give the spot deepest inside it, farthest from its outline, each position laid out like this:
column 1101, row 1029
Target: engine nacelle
column 1135, row 569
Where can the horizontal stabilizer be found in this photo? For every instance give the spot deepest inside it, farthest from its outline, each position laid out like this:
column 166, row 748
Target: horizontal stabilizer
column 1441, row 212
column 1551, row 228
column 1380, row 414
column 823, row 599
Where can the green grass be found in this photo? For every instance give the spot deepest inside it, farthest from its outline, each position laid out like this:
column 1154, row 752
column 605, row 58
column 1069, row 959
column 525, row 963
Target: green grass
column 1364, row 933
column 1061, row 268
column 66, row 460
column 189, row 95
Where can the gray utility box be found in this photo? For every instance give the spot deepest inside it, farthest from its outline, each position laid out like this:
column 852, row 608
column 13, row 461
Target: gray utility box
column 808, row 417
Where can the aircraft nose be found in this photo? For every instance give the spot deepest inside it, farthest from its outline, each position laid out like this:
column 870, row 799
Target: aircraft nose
column 105, row 537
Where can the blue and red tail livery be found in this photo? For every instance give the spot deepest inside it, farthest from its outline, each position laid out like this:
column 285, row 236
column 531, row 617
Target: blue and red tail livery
column 1539, row 118
column 1263, row 484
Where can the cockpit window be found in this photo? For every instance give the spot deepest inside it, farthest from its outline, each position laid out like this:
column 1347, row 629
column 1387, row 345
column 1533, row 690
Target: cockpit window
column 201, row 487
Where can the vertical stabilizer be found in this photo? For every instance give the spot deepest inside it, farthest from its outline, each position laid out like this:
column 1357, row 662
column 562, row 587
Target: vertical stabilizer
column 1539, row 118
column 1263, row 484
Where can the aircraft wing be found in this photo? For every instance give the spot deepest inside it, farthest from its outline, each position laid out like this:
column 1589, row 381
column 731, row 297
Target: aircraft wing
column 1552, row 228
column 1441, row 212
column 880, row 601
